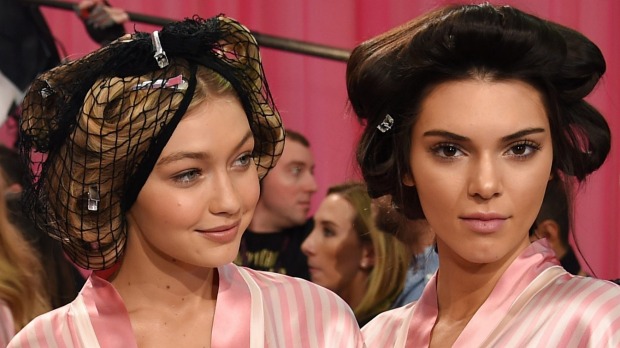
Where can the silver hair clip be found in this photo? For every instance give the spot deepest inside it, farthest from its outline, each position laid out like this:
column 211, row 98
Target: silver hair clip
column 93, row 198
column 177, row 82
column 160, row 55
column 47, row 90
column 387, row 124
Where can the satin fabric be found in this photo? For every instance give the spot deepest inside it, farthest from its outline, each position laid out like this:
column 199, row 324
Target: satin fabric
column 253, row 309
column 7, row 329
column 536, row 303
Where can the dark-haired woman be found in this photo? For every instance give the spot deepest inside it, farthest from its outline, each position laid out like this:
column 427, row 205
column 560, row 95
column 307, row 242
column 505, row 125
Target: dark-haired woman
column 469, row 111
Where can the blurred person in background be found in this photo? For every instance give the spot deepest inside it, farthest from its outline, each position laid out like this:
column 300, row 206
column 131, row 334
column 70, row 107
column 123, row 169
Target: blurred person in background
column 62, row 278
column 28, row 48
column 350, row 256
column 23, row 294
column 418, row 236
column 280, row 224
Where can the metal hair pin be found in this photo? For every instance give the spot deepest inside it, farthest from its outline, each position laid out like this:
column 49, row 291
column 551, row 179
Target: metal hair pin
column 93, row 198
column 387, row 124
column 177, row 82
column 160, row 55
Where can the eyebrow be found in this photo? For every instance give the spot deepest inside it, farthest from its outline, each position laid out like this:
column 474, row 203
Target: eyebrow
column 177, row 156
column 328, row 223
column 507, row 138
column 298, row 164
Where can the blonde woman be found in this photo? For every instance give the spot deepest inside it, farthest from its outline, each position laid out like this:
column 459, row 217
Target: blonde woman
column 22, row 291
column 155, row 147
column 350, row 256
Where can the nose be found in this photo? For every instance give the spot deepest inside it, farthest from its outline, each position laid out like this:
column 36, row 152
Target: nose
column 307, row 247
column 225, row 197
column 485, row 178
column 310, row 183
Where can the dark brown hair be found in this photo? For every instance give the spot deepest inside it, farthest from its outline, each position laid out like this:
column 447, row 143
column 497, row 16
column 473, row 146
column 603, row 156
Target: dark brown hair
column 393, row 73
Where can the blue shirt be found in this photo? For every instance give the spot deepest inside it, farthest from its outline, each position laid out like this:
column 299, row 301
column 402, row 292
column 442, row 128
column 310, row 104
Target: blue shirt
column 422, row 268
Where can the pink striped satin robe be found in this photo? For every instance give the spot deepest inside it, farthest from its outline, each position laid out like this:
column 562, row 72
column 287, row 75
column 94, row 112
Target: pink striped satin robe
column 536, row 303
column 7, row 329
column 254, row 309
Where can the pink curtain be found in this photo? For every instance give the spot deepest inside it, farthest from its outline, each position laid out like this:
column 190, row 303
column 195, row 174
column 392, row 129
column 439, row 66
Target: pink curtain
column 310, row 92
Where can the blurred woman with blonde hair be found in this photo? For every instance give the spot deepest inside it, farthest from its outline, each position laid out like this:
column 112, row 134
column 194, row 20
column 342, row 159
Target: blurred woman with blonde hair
column 22, row 291
column 350, row 256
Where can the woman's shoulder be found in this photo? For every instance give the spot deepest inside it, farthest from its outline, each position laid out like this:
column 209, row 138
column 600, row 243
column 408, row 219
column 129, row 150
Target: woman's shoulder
column 576, row 285
column 567, row 310
column 584, row 298
column 50, row 328
column 572, row 287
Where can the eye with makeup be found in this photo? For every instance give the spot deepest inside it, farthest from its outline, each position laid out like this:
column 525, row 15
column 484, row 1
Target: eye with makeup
column 447, row 151
column 244, row 160
column 523, row 149
column 187, row 177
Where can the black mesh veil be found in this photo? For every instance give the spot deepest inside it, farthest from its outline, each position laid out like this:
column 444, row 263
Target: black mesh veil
column 92, row 129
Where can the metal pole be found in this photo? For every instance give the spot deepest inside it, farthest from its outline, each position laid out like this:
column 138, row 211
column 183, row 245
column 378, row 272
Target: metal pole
column 269, row 41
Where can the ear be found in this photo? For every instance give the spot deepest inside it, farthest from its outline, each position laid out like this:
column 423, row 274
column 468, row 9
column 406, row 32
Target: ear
column 367, row 262
column 408, row 180
column 549, row 229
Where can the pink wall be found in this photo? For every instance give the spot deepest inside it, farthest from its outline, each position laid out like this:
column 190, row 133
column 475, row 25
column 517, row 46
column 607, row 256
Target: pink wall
column 310, row 92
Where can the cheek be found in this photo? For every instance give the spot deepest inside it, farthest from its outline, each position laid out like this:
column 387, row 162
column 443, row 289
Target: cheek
column 327, row 251
column 249, row 192
column 348, row 255
column 528, row 196
column 438, row 191
column 182, row 209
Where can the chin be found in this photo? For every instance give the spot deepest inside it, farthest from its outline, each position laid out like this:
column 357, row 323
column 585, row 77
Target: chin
column 483, row 258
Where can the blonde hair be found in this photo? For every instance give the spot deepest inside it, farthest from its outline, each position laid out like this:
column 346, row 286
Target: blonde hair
column 387, row 277
column 22, row 284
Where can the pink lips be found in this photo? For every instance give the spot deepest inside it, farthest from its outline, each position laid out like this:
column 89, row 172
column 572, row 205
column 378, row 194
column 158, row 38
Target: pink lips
column 221, row 234
column 484, row 223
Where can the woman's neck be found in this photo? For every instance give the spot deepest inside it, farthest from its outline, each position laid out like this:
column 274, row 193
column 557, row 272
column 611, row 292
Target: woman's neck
column 355, row 290
column 168, row 303
column 149, row 280
column 462, row 287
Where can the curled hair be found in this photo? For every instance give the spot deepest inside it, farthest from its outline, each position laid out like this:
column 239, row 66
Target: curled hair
column 393, row 73
column 93, row 129
column 387, row 277
column 22, row 285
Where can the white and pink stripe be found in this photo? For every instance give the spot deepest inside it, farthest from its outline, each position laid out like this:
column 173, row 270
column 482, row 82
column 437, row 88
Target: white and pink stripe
column 535, row 304
column 254, row 309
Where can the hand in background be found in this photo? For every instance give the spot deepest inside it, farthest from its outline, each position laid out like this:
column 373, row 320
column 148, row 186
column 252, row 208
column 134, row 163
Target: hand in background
column 100, row 14
column 104, row 23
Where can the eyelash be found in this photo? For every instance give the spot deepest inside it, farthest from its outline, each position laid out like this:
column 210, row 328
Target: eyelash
column 188, row 176
column 528, row 144
column 183, row 178
column 246, row 158
column 437, row 149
